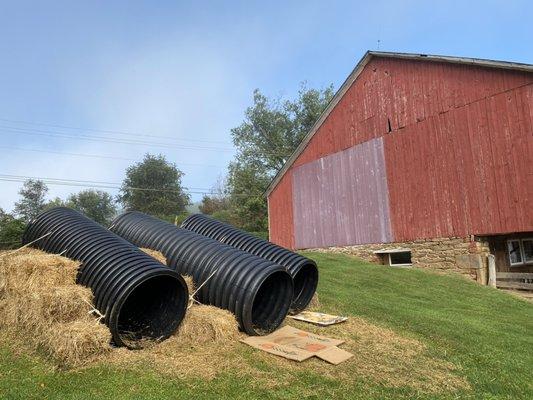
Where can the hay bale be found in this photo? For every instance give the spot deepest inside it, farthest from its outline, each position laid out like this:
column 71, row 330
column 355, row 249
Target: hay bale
column 206, row 345
column 155, row 254
column 39, row 295
column 207, row 324
column 78, row 343
column 190, row 284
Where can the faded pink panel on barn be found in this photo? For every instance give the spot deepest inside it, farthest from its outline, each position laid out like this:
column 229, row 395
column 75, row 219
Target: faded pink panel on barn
column 342, row 199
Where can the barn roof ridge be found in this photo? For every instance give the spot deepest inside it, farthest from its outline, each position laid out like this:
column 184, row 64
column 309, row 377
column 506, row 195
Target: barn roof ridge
column 359, row 68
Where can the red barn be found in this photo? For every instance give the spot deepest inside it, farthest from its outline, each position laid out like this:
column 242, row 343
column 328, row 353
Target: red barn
column 418, row 159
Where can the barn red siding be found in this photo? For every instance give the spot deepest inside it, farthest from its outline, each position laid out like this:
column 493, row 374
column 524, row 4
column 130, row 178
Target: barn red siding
column 459, row 132
column 404, row 92
column 467, row 171
column 280, row 214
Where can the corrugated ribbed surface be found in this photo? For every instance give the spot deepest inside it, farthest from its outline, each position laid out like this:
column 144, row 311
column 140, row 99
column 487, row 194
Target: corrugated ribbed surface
column 140, row 297
column 257, row 291
column 302, row 269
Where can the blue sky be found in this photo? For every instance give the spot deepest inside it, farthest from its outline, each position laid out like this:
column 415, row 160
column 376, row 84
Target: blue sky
column 187, row 70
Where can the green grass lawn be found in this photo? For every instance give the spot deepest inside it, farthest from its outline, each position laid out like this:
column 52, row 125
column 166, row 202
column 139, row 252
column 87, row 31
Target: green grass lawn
column 486, row 334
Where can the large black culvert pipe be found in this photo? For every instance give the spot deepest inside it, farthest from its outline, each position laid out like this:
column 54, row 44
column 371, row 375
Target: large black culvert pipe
column 257, row 291
column 302, row 269
column 140, row 298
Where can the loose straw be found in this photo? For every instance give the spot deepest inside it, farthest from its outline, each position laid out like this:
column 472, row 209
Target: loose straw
column 26, row 245
column 94, row 311
column 192, row 300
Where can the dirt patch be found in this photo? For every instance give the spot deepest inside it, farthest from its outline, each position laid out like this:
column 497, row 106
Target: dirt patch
column 46, row 313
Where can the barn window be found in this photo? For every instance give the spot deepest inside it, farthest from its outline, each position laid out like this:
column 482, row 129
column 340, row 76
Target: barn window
column 395, row 257
column 527, row 246
column 400, row 258
column 520, row 251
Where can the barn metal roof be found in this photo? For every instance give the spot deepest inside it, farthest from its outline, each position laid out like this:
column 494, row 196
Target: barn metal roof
column 359, row 68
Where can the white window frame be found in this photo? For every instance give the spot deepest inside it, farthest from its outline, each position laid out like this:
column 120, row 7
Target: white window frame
column 522, row 252
column 387, row 252
column 400, row 265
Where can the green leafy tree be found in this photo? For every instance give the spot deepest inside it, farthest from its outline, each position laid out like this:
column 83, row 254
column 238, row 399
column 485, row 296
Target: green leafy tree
column 227, row 216
column 32, row 201
column 154, row 186
column 217, row 200
column 211, row 204
column 11, row 230
column 247, row 184
column 95, row 204
column 270, row 133
column 55, row 202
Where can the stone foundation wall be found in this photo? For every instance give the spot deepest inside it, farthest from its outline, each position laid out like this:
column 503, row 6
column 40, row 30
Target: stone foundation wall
column 466, row 256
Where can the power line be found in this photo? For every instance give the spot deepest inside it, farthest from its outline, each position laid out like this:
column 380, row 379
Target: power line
column 73, row 180
column 98, row 139
column 118, row 132
column 109, row 185
column 67, row 154
column 97, row 156
column 95, row 185
column 78, row 182
column 37, row 132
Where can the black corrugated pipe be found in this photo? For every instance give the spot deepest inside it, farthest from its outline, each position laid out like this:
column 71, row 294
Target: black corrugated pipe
column 140, row 298
column 257, row 291
column 302, row 269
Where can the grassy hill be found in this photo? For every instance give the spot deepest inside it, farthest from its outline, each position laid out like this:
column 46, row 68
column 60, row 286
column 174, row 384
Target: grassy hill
column 414, row 334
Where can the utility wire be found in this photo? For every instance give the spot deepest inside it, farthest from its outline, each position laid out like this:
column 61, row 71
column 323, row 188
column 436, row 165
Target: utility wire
column 70, row 180
column 37, row 132
column 74, row 180
column 118, row 132
column 110, row 185
column 97, row 156
column 63, row 135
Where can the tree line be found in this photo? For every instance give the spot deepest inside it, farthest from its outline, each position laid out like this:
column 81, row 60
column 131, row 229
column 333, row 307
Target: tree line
column 152, row 186
column 270, row 132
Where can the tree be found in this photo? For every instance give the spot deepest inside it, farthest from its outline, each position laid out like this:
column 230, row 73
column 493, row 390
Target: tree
column 273, row 128
column 217, row 200
column 95, row 204
column 55, row 202
column 32, row 200
column 11, row 230
column 247, row 184
column 270, row 133
column 154, row 186
column 211, row 204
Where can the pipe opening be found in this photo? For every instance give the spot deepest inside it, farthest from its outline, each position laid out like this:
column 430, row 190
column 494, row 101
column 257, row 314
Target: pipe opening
column 271, row 303
column 305, row 283
column 152, row 311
